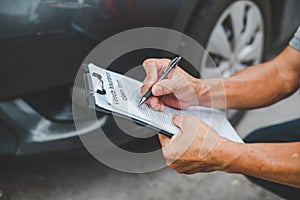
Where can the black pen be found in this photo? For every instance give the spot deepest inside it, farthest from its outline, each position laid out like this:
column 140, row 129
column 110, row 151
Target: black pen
column 171, row 65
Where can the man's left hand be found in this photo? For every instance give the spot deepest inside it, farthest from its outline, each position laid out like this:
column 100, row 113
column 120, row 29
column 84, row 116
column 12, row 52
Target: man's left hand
column 196, row 148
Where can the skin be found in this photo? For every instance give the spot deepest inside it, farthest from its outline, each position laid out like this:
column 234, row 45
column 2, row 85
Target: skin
column 199, row 148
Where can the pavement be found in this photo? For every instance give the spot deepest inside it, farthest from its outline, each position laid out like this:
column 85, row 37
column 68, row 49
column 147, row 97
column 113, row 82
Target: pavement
column 84, row 178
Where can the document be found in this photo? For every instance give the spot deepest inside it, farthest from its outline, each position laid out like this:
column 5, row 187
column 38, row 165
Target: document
column 120, row 95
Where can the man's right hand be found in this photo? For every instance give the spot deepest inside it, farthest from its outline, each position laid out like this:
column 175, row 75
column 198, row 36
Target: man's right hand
column 179, row 89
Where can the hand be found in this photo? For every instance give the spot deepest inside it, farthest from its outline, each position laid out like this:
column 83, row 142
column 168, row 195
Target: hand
column 196, row 148
column 178, row 90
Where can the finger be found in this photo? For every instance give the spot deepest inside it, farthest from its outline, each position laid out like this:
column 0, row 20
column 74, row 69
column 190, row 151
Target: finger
column 187, row 124
column 145, row 88
column 155, row 67
column 164, row 87
column 183, row 171
column 177, row 165
column 199, row 169
column 184, row 167
column 155, row 104
column 151, row 69
column 188, row 172
column 164, row 140
column 175, row 84
column 162, row 64
column 169, row 163
column 153, row 101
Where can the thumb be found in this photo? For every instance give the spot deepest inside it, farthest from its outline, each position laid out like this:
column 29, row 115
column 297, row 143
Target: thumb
column 178, row 120
column 163, row 87
column 164, row 140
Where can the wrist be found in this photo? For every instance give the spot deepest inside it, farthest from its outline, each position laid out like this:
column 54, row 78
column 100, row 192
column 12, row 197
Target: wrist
column 211, row 93
column 201, row 91
column 226, row 153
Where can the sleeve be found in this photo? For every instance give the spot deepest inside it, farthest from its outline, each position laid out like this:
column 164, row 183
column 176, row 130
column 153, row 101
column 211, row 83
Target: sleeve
column 295, row 41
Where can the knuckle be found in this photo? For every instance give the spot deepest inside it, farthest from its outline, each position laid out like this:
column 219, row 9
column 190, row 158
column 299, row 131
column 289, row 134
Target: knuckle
column 165, row 60
column 147, row 61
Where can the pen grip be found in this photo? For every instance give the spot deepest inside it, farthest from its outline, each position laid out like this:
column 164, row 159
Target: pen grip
column 148, row 94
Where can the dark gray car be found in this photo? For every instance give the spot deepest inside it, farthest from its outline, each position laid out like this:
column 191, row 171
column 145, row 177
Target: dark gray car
column 43, row 43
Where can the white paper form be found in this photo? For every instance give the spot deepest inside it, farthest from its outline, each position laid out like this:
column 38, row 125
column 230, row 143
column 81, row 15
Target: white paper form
column 122, row 95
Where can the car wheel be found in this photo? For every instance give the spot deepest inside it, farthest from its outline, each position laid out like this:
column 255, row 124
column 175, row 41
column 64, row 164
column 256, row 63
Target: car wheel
column 233, row 33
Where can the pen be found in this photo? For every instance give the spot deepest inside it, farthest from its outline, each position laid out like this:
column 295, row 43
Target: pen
column 171, row 65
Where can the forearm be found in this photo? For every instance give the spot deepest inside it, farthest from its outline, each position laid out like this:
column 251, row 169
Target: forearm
column 253, row 87
column 277, row 162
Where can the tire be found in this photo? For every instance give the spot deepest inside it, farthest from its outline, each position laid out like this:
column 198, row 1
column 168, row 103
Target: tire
column 243, row 48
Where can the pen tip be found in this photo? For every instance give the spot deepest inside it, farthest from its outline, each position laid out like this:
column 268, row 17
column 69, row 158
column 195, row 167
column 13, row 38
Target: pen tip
column 142, row 101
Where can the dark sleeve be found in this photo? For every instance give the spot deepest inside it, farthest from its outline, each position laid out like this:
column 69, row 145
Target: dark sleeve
column 295, row 41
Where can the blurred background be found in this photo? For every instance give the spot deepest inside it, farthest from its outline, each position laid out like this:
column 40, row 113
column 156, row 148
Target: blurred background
column 42, row 46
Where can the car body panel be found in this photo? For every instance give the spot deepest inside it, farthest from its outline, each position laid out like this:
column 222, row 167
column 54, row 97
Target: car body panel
column 43, row 43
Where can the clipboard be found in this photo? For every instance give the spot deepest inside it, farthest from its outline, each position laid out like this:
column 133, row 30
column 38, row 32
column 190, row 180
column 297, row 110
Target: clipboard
column 104, row 94
column 90, row 92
